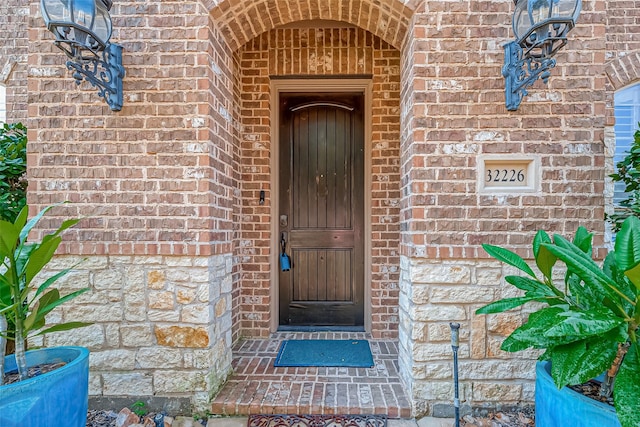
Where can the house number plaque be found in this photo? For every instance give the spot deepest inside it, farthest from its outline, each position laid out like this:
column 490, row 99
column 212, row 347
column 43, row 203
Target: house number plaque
column 507, row 175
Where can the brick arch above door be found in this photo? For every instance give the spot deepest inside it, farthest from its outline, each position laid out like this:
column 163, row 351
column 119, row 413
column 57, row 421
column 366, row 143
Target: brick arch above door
column 242, row 20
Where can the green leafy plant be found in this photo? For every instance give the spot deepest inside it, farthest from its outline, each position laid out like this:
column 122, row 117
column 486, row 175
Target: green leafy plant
column 628, row 172
column 24, row 306
column 590, row 324
column 13, row 170
column 138, row 408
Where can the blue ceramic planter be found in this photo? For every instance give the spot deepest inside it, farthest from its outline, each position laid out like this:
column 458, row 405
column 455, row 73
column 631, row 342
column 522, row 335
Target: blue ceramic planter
column 565, row 407
column 59, row 398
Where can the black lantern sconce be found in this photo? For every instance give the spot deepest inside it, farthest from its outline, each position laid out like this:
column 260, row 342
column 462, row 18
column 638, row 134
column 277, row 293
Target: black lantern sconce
column 83, row 29
column 541, row 28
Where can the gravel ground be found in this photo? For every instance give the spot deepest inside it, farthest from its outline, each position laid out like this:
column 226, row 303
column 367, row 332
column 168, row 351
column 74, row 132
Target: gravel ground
column 521, row 418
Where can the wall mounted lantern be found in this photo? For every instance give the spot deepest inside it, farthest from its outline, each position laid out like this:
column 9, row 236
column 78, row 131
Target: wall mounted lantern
column 83, row 29
column 541, row 28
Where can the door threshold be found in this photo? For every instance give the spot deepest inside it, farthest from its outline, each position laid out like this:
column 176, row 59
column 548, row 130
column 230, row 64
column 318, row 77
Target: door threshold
column 287, row 328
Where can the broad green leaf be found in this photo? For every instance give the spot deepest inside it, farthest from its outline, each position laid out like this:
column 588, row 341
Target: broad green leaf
column 21, row 219
column 37, row 311
column 634, row 276
column 41, row 257
column 583, row 239
column 528, row 284
column 47, row 308
column 503, row 305
column 580, row 361
column 51, row 280
column 8, row 239
column 531, row 334
column 536, row 290
column 584, row 267
column 545, row 260
column 627, row 245
column 627, row 389
column 24, row 233
column 63, row 327
column 584, row 323
column 509, row 257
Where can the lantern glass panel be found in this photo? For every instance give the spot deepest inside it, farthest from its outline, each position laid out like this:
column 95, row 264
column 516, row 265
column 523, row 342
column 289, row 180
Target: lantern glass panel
column 531, row 13
column 55, row 10
column 94, row 16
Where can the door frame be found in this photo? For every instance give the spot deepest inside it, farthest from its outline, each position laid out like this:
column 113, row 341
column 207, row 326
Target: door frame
column 321, row 85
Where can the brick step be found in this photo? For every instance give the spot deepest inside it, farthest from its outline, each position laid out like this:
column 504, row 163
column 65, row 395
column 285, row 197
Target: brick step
column 257, row 387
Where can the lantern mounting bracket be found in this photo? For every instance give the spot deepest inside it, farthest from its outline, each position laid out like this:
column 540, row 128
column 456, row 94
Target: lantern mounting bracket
column 521, row 72
column 104, row 71
column 82, row 30
column 530, row 56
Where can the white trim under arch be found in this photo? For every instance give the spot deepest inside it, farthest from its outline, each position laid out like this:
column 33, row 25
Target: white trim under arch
column 363, row 86
column 627, row 115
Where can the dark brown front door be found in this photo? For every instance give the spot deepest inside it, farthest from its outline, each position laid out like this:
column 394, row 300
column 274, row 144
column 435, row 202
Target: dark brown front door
column 321, row 209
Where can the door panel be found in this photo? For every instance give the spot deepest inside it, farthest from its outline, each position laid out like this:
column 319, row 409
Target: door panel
column 321, row 209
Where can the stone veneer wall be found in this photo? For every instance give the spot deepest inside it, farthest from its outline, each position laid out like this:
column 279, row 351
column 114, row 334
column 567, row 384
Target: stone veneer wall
column 320, row 52
column 161, row 179
column 161, row 325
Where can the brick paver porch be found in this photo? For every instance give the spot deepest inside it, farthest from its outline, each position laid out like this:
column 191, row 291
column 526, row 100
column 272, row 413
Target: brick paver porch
column 257, row 387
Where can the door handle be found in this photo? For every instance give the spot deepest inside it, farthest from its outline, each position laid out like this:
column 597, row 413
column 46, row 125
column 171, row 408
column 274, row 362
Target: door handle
column 284, row 220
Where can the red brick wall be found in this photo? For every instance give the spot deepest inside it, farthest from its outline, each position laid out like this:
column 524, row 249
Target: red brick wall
column 319, row 52
column 159, row 176
column 13, row 57
column 455, row 112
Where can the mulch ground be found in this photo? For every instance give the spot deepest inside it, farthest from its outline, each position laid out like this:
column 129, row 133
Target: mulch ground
column 521, row 418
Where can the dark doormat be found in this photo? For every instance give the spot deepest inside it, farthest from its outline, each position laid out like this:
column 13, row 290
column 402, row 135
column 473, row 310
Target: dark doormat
column 317, row 421
column 332, row 353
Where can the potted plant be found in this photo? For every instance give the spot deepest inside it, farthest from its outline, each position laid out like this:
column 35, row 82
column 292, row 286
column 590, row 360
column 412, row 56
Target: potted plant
column 587, row 326
column 37, row 399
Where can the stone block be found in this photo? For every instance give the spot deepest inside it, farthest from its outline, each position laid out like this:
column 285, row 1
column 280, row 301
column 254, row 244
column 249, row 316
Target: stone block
column 127, row 384
column 136, row 335
column 185, row 296
column 112, row 312
column 221, row 307
column 496, row 370
column 433, row 390
column 91, row 336
column 163, row 315
column 182, row 336
column 174, row 261
column 495, row 392
column 158, row 358
column 437, row 313
column 488, row 276
column 178, row 381
column 112, row 334
column 161, row 300
column 427, row 352
column 420, row 294
column 108, row 279
column 503, row 323
column 198, row 314
column 439, row 273
column 107, row 360
column 95, row 384
column 442, row 332
column 156, row 279
column 462, row 294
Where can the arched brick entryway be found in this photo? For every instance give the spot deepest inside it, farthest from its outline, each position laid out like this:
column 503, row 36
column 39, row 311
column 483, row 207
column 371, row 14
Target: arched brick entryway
column 241, row 21
column 267, row 40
